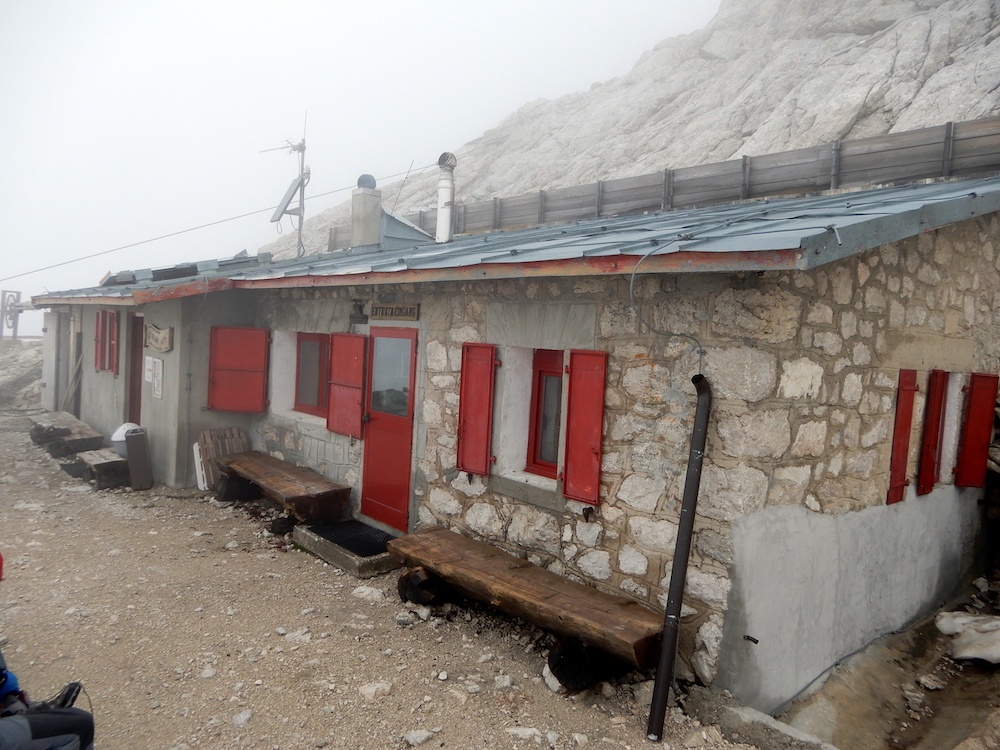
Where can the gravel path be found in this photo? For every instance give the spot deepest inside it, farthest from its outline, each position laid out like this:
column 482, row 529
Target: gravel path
column 192, row 627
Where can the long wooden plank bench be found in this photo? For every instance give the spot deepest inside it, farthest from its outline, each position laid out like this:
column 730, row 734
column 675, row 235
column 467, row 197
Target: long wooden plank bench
column 307, row 495
column 107, row 468
column 614, row 624
column 62, row 434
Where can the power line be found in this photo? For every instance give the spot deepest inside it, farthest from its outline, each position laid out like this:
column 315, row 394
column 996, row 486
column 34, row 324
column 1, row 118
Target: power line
column 185, row 231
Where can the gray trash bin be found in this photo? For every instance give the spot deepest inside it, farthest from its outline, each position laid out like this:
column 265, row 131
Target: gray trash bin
column 137, row 452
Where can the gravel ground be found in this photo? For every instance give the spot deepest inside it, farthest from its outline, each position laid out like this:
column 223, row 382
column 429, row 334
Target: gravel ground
column 191, row 626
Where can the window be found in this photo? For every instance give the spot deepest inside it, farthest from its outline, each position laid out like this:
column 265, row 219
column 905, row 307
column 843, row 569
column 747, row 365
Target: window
column 546, row 413
column 106, row 341
column 237, row 369
column 530, row 422
column 312, row 361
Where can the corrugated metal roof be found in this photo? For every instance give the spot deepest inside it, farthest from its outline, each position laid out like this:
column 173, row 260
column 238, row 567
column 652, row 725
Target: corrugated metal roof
column 780, row 233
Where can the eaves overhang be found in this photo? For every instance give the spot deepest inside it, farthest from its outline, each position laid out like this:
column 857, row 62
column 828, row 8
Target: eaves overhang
column 762, row 235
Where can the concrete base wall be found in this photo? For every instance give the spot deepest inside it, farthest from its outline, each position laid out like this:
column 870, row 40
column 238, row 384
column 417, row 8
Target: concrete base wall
column 810, row 589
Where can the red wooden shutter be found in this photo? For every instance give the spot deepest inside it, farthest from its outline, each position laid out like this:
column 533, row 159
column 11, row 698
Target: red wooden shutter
column 99, row 325
column 585, row 425
column 113, row 342
column 977, row 430
column 475, row 407
column 345, row 404
column 901, row 436
column 929, row 471
column 237, row 369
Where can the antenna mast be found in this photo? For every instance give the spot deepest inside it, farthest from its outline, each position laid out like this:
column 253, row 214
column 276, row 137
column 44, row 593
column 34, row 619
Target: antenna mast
column 298, row 186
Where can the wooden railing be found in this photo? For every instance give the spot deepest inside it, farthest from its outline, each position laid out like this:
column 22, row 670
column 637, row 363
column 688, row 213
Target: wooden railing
column 962, row 149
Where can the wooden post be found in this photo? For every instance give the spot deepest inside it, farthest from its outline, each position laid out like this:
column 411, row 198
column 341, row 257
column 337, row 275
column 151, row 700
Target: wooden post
column 496, row 213
column 835, row 165
column 598, row 198
column 667, row 199
column 949, row 139
column 541, row 206
column 745, row 178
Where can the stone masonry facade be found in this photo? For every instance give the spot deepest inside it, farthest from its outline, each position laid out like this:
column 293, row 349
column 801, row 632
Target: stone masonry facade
column 803, row 367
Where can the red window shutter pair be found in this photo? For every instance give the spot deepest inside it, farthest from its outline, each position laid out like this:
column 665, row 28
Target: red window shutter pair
column 977, row 430
column 475, row 407
column 106, row 341
column 345, row 402
column 584, row 418
column 113, row 342
column 929, row 471
column 585, row 426
column 901, row 436
column 99, row 333
column 237, row 369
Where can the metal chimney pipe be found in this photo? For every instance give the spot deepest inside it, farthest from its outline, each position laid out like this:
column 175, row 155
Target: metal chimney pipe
column 446, row 197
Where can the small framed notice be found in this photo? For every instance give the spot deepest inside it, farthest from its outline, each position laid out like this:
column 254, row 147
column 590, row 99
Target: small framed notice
column 157, row 378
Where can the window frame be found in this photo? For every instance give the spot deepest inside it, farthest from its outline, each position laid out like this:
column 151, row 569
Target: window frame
column 319, row 409
column 545, row 363
column 106, row 341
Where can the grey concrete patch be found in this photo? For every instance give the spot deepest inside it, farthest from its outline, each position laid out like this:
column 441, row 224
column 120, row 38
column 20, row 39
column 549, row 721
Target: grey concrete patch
column 740, row 723
column 361, row 567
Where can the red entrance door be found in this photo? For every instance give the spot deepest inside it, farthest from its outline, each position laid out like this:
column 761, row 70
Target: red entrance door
column 385, row 480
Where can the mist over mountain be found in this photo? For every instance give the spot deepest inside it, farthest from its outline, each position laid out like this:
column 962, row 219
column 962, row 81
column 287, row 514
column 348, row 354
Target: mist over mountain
column 763, row 76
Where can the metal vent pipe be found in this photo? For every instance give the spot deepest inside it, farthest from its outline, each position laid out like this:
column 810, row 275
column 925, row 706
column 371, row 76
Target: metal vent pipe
column 678, row 573
column 446, row 197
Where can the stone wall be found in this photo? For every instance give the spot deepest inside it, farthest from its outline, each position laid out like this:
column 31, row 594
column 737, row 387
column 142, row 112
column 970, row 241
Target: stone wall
column 803, row 366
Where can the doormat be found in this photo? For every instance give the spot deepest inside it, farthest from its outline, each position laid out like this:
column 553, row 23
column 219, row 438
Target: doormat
column 354, row 536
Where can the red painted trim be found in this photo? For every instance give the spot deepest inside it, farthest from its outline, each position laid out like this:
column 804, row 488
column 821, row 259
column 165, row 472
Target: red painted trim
column 475, row 407
column 345, row 415
column 901, row 436
column 322, row 368
column 545, row 363
column 929, row 470
column 237, row 369
column 977, row 430
column 113, row 331
column 99, row 340
column 585, row 425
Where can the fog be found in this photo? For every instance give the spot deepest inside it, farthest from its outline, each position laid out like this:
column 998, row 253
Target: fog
column 133, row 133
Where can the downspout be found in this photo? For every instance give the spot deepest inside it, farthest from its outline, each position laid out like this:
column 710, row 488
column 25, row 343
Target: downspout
column 678, row 573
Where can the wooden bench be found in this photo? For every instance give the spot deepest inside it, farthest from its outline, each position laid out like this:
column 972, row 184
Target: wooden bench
column 617, row 625
column 62, row 434
column 307, row 495
column 106, row 467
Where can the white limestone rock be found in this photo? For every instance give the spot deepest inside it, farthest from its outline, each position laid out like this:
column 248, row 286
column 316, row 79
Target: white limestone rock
column 484, row 520
column 976, row 636
column 744, row 373
column 727, row 493
column 756, row 434
column 596, row 564
column 653, row 535
column 534, row 529
column 800, row 378
column 640, row 492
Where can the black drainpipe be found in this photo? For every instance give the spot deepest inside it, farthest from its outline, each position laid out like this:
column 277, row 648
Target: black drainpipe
column 678, row 574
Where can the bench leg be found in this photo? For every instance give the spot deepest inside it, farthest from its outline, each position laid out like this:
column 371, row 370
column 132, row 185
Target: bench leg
column 421, row 586
column 578, row 665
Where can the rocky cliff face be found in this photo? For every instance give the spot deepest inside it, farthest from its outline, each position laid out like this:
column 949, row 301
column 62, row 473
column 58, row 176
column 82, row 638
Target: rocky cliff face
column 763, row 76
